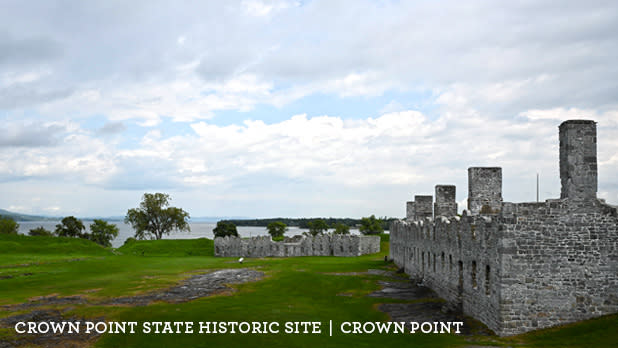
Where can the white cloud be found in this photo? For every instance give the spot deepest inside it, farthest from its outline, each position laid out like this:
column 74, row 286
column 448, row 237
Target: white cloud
column 260, row 8
column 502, row 76
column 375, row 162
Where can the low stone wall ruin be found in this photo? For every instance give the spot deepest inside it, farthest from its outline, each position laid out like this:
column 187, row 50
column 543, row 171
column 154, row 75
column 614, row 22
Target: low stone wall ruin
column 320, row 245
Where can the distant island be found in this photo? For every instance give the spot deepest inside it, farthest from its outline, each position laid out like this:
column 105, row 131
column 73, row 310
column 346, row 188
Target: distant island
column 238, row 221
column 304, row 222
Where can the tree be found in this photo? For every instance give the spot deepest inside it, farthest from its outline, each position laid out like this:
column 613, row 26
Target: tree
column 40, row 231
column 276, row 229
column 342, row 229
column 317, row 226
column 225, row 228
column 154, row 218
column 102, row 232
column 371, row 225
column 8, row 225
column 70, row 226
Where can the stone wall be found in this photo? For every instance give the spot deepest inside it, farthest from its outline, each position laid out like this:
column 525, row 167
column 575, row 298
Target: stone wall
column 320, row 245
column 535, row 266
column 457, row 258
column 557, row 266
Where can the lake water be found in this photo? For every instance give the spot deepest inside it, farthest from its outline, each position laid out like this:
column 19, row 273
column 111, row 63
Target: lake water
column 198, row 230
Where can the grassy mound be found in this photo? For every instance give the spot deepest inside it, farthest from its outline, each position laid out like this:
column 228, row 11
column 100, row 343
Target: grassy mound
column 169, row 247
column 21, row 244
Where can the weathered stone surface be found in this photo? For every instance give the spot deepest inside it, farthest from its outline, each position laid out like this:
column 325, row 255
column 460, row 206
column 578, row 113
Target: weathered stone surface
column 320, row 245
column 446, row 204
column 484, row 190
column 410, row 211
column 522, row 266
column 578, row 160
column 423, row 207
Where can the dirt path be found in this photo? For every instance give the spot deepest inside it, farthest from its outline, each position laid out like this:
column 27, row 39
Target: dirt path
column 198, row 286
column 422, row 304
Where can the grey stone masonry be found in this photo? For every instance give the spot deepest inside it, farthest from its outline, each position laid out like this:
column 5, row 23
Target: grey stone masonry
column 423, row 207
column 519, row 267
column 578, row 160
column 445, row 204
column 484, row 190
column 320, row 245
column 409, row 210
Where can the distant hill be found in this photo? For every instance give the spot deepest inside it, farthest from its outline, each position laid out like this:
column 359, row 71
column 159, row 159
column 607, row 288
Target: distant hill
column 26, row 217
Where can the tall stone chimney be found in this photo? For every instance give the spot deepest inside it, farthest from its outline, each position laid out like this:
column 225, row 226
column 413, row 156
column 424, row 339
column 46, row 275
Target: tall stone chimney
column 410, row 211
column 578, row 160
column 423, row 207
column 484, row 190
column 445, row 204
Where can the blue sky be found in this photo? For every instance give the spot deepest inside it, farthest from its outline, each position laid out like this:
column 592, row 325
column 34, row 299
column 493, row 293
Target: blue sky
column 287, row 108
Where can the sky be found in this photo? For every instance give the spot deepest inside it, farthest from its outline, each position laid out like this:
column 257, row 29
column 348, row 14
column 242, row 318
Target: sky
column 295, row 108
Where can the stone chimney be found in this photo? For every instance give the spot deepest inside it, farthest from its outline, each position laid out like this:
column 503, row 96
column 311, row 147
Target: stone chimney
column 410, row 211
column 423, row 207
column 484, row 190
column 578, row 160
column 445, row 204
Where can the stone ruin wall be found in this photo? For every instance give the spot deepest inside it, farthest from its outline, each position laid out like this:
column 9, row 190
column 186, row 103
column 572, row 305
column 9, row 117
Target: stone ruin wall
column 521, row 266
column 457, row 257
column 536, row 265
column 320, row 245
column 558, row 266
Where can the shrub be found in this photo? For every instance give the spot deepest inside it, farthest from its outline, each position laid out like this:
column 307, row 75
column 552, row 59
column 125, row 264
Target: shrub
column 70, row 226
column 277, row 229
column 40, row 231
column 129, row 241
column 342, row 229
column 8, row 226
column 102, row 232
column 371, row 225
column 225, row 228
column 318, row 226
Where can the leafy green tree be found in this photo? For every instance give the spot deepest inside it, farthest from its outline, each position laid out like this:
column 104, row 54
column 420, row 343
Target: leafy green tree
column 225, row 228
column 371, row 225
column 102, row 232
column 70, row 226
column 154, row 217
column 276, row 229
column 317, row 226
column 8, row 225
column 342, row 229
column 40, row 231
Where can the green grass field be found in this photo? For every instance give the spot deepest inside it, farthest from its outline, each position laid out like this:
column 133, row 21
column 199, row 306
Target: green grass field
column 294, row 289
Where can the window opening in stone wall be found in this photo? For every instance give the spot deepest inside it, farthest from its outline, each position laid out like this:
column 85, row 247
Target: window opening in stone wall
column 423, row 261
column 460, row 284
column 473, row 231
column 434, row 263
column 428, row 260
column 487, row 284
column 450, row 263
column 473, row 275
column 443, row 263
